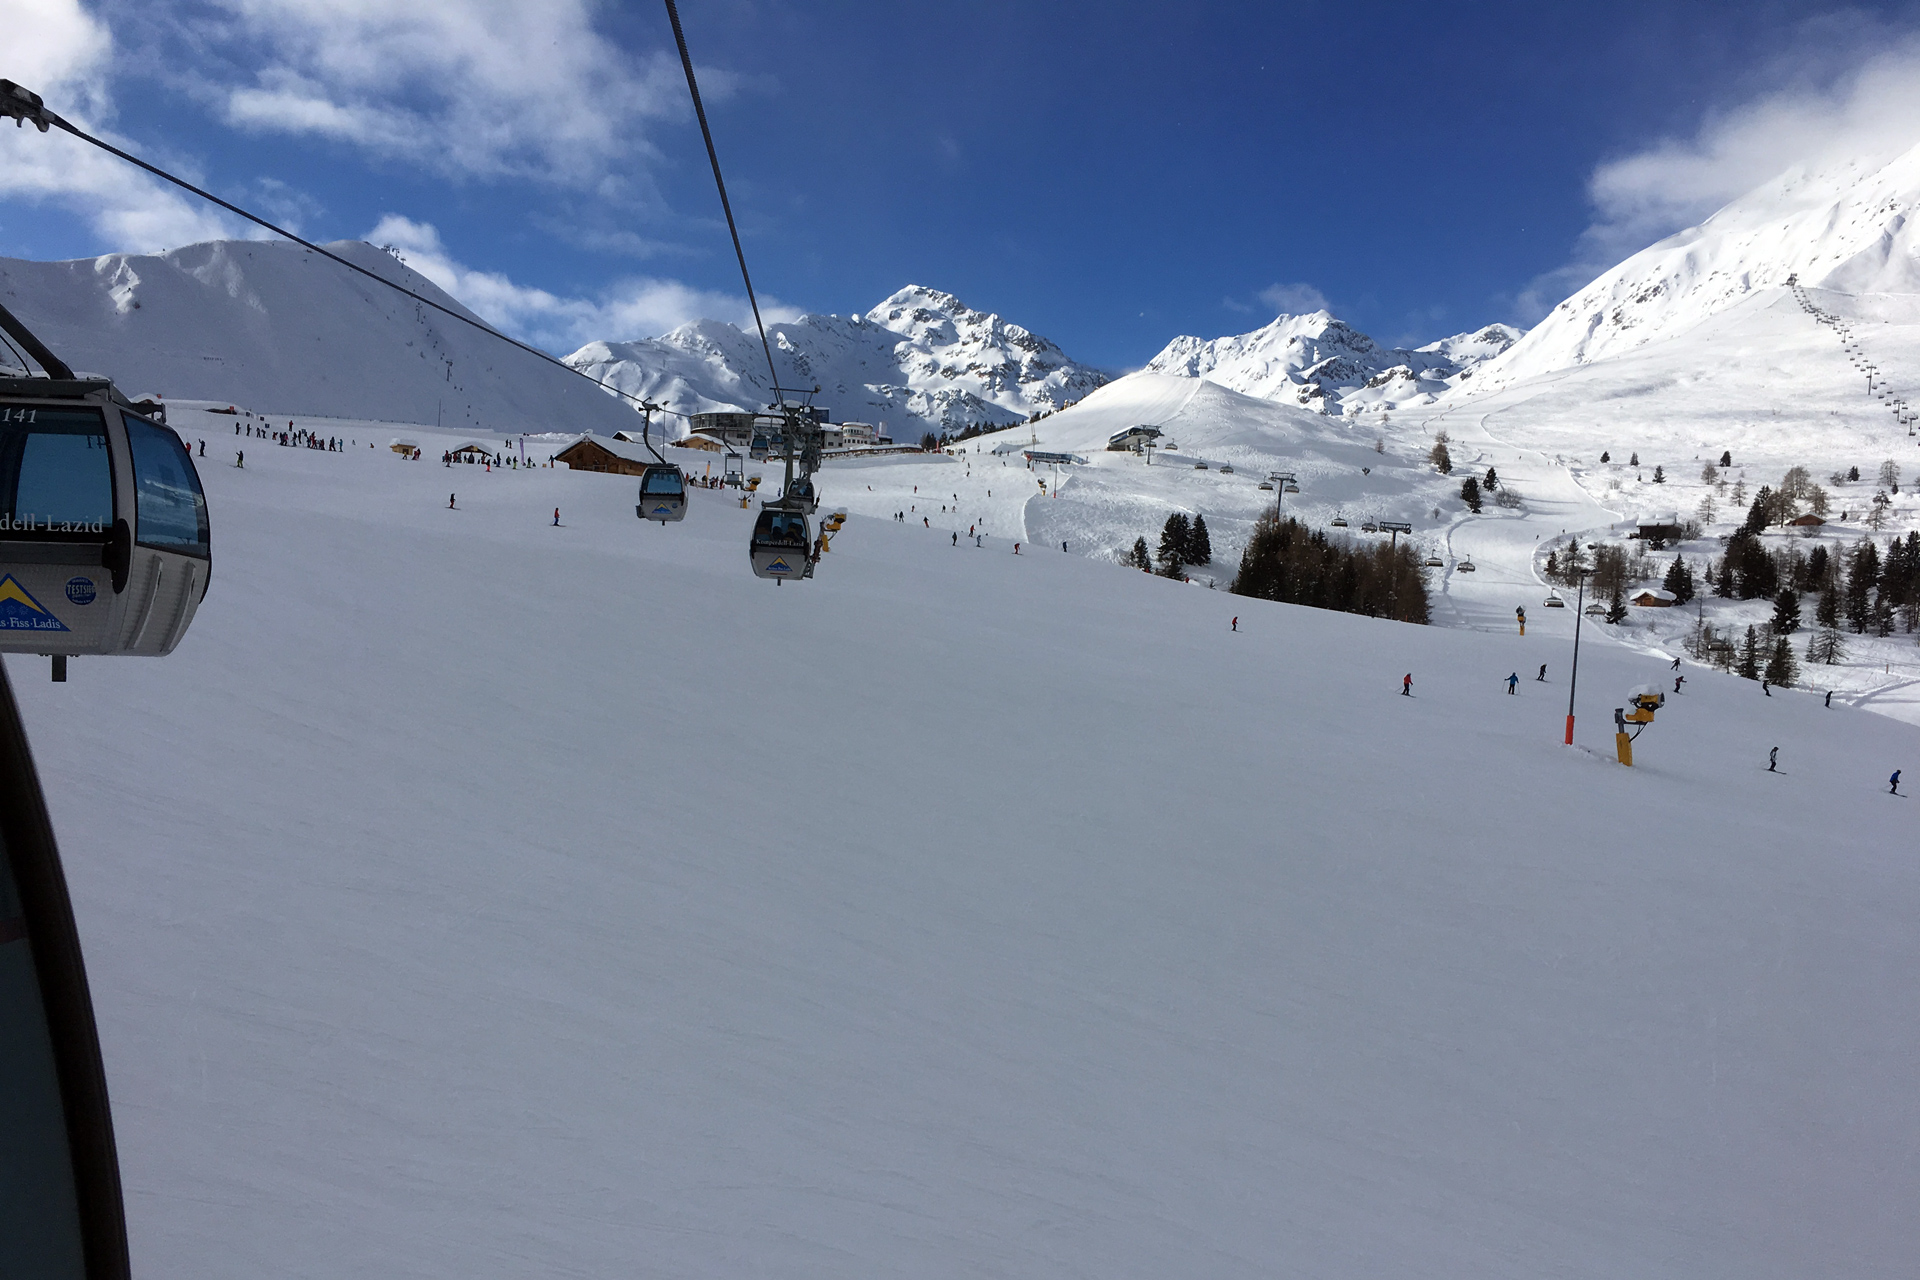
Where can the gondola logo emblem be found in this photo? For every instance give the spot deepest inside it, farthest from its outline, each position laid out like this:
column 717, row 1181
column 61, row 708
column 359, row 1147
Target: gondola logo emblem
column 779, row 565
column 19, row 611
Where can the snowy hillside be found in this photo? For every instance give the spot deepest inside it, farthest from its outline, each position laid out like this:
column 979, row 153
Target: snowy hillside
column 1326, row 365
column 273, row 326
column 920, row 361
column 473, row 897
column 1846, row 227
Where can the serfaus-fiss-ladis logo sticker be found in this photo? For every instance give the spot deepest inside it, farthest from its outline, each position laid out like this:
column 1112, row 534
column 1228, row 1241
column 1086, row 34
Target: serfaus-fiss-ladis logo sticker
column 19, row 611
column 81, row 590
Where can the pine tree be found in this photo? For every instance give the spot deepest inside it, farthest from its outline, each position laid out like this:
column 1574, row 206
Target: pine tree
column 1786, row 612
column 1760, row 514
column 1442, row 460
column 1679, row 580
column 1553, row 566
column 1492, row 481
column 1863, row 574
column 1173, row 544
column 1617, row 608
column 1470, row 494
column 1827, row 646
column 1726, row 458
column 1853, row 473
column 1781, row 668
column 1748, row 667
column 1139, row 558
column 1605, row 456
column 1827, row 611
column 1634, row 461
column 1199, row 545
column 1659, row 475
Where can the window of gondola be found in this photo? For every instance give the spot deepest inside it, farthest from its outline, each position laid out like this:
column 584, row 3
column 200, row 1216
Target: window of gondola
column 55, row 475
column 167, row 498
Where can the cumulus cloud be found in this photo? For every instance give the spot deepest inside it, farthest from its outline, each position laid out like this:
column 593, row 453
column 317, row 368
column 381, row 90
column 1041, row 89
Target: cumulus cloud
column 1293, row 299
column 1837, row 101
column 636, row 307
column 468, row 88
column 62, row 52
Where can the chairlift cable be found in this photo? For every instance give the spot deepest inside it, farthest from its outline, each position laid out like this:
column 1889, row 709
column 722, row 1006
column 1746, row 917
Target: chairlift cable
column 30, row 108
column 700, row 111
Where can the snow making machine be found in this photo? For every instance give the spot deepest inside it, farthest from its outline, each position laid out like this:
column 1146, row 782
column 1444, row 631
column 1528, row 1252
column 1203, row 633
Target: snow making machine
column 1645, row 700
column 104, row 540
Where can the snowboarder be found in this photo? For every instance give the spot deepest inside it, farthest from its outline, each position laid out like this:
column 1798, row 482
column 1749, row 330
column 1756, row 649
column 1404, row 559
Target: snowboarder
column 1016, row 548
column 1542, row 677
column 556, row 517
column 1677, row 682
column 1406, row 685
column 1773, row 758
column 1765, row 689
column 1829, row 697
column 1513, row 682
column 1236, row 622
column 1893, row 787
column 1675, row 666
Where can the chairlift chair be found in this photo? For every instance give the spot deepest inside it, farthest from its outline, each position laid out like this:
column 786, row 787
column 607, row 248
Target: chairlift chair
column 1596, row 611
column 1267, row 485
column 1553, row 601
column 1465, row 566
column 1339, row 522
column 1226, row 468
column 1435, row 562
column 1292, row 488
column 1368, row 526
column 104, row 537
column 782, row 543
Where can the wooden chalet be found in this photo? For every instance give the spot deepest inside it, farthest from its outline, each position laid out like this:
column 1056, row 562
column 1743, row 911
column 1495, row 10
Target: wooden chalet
column 617, row 457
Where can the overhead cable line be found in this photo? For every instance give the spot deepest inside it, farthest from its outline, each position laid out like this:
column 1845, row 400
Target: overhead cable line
column 700, row 110
column 22, row 105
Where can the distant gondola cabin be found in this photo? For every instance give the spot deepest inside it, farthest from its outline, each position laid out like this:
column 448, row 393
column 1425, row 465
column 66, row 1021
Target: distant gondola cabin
column 617, row 457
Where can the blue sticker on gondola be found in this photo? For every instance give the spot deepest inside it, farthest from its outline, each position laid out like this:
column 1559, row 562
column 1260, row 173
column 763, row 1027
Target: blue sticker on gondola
column 80, row 590
column 778, row 566
column 19, row 611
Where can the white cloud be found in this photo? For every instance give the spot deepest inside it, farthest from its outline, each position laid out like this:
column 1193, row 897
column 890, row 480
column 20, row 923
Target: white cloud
column 631, row 308
column 1293, row 299
column 60, row 51
column 1866, row 105
column 470, row 88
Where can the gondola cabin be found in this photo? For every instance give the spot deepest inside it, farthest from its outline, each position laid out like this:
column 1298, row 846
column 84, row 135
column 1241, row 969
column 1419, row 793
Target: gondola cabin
column 782, row 544
column 104, row 538
column 663, row 494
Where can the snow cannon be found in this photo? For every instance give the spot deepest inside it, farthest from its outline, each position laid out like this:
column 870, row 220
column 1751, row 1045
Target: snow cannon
column 1645, row 700
column 104, row 539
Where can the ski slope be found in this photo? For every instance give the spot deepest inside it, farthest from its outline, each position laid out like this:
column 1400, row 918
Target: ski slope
column 474, row 897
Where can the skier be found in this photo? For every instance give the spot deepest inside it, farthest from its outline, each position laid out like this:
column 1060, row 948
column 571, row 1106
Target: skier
column 556, row 517
column 1236, row 622
column 1016, row 548
column 449, row 502
column 1675, row 666
column 1829, row 697
column 1764, row 689
column 1893, row 787
column 203, row 448
column 1513, row 682
column 956, row 537
column 240, row 458
column 1063, row 546
column 1677, row 682
column 1542, row 677
column 1773, row 757
column 1406, row 685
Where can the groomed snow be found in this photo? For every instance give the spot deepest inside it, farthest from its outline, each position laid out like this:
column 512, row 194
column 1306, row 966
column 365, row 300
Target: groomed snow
column 472, row 897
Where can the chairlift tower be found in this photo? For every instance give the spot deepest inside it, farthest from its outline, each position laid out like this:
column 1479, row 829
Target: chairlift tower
column 1281, row 479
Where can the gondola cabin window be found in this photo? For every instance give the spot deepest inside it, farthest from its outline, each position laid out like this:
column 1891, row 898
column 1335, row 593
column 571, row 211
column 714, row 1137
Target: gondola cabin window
column 55, row 474
column 171, row 510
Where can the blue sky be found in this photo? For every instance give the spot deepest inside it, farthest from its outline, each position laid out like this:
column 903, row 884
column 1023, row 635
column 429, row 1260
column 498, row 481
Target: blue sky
column 1109, row 175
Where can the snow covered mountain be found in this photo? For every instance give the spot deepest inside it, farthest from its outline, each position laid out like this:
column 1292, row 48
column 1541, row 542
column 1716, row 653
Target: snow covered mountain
column 1326, row 365
column 1846, row 226
column 922, row 360
column 276, row 327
